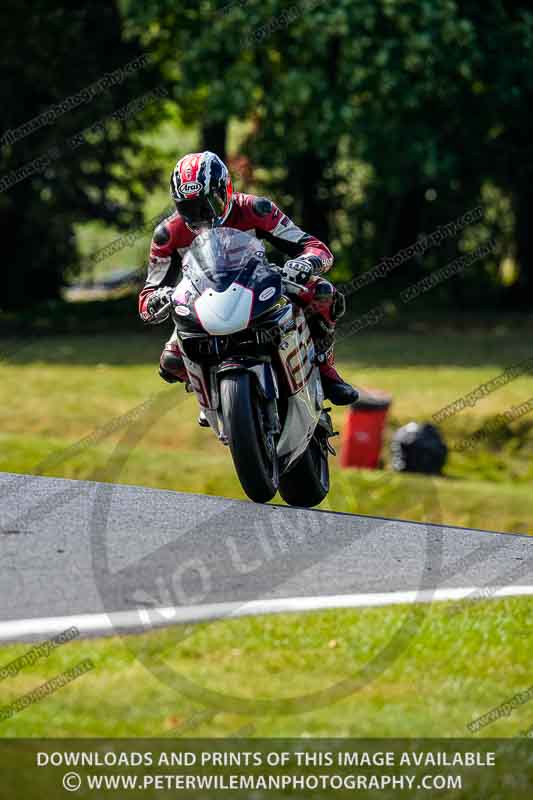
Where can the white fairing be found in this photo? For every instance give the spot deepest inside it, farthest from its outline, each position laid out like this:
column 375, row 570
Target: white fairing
column 303, row 413
column 222, row 313
column 297, row 356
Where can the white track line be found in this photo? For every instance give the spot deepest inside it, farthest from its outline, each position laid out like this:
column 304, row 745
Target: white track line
column 143, row 620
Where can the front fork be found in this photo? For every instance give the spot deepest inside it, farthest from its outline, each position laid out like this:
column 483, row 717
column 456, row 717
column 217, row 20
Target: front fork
column 264, row 379
column 324, row 432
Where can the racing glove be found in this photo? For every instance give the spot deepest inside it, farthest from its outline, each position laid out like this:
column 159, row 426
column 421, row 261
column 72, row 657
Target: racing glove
column 156, row 302
column 300, row 270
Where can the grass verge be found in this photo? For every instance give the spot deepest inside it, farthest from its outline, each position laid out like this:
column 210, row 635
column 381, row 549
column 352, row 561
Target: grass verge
column 334, row 673
column 68, row 388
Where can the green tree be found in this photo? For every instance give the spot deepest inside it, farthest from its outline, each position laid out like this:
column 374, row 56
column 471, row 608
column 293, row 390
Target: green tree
column 373, row 121
column 50, row 52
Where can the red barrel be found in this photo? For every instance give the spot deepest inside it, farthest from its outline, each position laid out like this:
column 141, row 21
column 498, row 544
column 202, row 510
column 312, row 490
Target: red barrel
column 362, row 438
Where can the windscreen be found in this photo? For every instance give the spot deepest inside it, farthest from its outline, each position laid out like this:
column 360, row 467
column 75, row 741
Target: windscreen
column 221, row 254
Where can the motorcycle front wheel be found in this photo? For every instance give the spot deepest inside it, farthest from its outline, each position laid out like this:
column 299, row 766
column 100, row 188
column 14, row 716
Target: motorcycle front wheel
column 307, row 483
column 254, row 457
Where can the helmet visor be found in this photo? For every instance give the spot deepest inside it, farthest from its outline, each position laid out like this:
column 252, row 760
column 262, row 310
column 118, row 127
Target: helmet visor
column 196, row 211
column 202, row 210
column 217, row 201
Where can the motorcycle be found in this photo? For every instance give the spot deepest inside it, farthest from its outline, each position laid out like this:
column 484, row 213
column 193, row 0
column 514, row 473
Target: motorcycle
column 251, row 363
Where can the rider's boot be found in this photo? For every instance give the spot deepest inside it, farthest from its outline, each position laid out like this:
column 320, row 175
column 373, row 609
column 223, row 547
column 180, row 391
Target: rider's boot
column 172, row 370
column 324, row 306
column 171, row 366
column 335, row 388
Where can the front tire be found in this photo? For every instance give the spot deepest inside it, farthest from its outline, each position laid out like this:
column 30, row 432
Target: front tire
column 255, row 467
column 307, row 483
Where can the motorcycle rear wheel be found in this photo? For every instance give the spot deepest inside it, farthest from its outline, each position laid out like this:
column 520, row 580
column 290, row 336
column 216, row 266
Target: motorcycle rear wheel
column 256, row 470
column 307, row 483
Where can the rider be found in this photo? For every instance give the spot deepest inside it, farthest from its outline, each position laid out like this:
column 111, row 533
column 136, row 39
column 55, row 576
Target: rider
column 201, row 187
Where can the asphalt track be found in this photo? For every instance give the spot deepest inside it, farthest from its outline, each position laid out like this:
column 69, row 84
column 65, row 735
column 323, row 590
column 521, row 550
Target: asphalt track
column 110, row 558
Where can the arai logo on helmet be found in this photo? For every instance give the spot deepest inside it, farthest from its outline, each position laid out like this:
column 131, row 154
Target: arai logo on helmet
column 191, row 187
column 183, row 311
column 266, row 294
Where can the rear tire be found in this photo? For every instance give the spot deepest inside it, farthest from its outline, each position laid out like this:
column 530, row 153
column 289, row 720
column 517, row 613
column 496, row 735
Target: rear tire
column 307, row 483
column 257, row 472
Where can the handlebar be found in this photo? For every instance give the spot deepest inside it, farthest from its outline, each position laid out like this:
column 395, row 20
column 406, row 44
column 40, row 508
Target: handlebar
column 286, row 280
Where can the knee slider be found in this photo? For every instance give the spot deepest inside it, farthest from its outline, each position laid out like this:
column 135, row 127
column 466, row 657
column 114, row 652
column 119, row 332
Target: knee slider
column 167, row 376
column 171, row 362
column 338, row 308
column 324, row 291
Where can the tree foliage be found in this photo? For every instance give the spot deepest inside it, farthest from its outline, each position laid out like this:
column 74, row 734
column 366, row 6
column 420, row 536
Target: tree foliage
column 51, row 52
column 376, row 121
column 372, row 122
